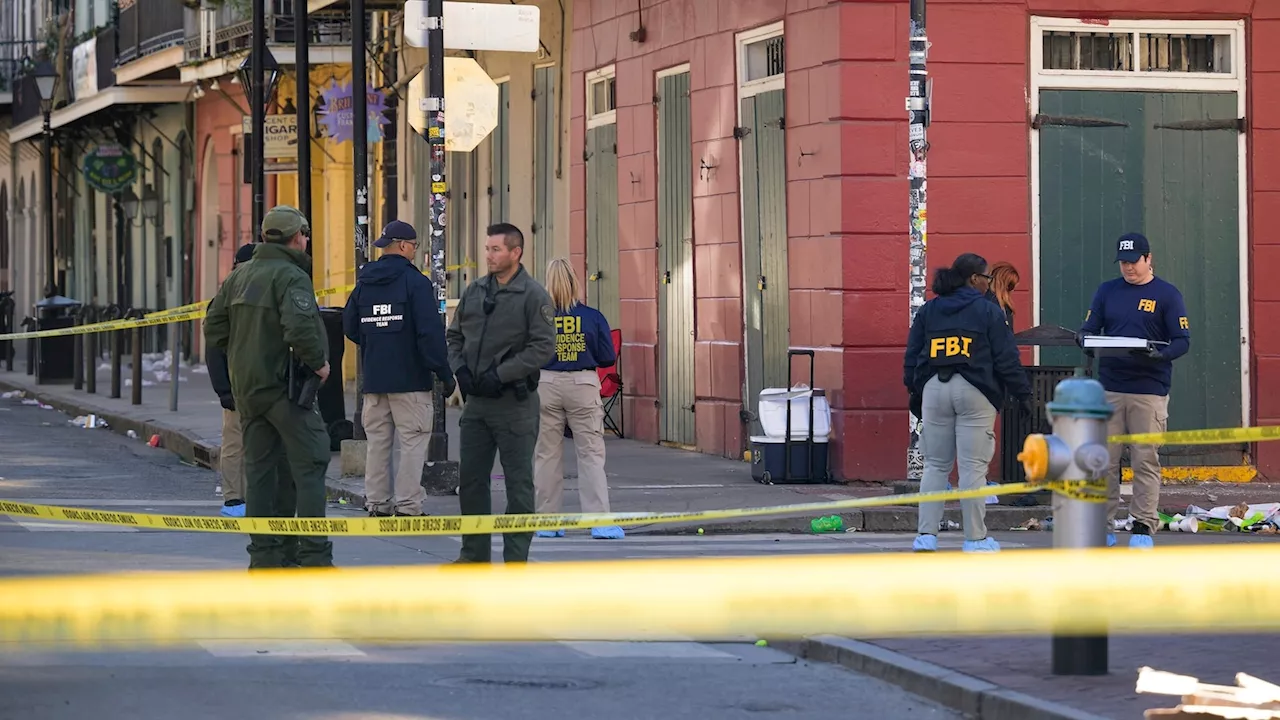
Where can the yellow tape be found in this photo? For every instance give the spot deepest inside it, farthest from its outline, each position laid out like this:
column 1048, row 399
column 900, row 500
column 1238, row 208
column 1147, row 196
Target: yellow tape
column 1201, row 437
column 876, row 595
column 107, row 326
column 483, row 524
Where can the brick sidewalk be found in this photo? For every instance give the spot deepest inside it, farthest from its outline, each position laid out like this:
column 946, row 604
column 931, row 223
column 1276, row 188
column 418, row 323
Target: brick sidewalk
column 1023, row 665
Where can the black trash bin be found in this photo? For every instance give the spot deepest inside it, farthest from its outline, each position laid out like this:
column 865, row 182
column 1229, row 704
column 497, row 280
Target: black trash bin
column 57, row 356
column 1016, row 424
column 7, row 319
column 331, row 398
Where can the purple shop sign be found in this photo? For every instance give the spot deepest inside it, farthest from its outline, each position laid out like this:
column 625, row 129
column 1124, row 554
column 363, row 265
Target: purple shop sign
column 336, row 115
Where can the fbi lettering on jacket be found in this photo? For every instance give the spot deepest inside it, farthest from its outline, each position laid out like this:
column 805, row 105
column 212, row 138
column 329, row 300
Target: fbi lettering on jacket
column 950, row 348
column 382, row 316
column 570, row 340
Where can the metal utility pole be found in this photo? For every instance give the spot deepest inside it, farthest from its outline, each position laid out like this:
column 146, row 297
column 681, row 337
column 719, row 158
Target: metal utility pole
column 360, row 160
column 257, row 111
column 391, row 134
column 51, row 281
column 918, row 150
column 302, row 59
column 444, row 476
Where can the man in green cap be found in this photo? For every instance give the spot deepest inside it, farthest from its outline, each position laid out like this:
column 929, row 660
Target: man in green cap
column 265, row 315
column 501, row 336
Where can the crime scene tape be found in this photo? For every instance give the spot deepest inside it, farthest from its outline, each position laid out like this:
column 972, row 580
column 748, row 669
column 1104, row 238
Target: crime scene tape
column 485, row 524
column 778, row 598
column 1201, row 437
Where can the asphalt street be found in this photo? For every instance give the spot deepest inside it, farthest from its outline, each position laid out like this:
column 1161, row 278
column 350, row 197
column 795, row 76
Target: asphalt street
column 45, row 459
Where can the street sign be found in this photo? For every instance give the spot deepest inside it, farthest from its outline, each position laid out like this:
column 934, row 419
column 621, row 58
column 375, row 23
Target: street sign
column 470, row 104
column 476, row 26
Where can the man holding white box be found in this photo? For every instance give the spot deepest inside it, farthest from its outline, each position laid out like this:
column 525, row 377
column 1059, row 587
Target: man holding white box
column 1138, row 305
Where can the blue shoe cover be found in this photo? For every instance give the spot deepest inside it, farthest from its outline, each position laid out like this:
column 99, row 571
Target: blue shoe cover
column 609, row 532
column 1143, row 542
column 235, row 511
column 985, row 545
column 549, row 533
column 1111, row 539
column 925, row 543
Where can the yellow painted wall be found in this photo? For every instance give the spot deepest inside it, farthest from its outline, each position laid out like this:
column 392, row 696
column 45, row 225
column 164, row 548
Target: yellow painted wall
column 332, row 201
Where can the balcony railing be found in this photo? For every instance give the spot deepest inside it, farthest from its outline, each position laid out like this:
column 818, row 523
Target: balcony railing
column 148, row 26
column 26, row 98
column 12, row 55
column 212, row 33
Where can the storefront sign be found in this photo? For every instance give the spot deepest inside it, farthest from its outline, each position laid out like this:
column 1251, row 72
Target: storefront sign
column 281, row 137
column 335, row 106
column 109, row 168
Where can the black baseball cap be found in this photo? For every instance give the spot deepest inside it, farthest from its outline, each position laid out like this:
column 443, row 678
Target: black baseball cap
column 244, row 254
column 1131, row 247
column 395, row 231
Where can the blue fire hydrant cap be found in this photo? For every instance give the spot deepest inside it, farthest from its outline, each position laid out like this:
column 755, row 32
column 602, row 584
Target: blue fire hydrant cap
column 1080, row 396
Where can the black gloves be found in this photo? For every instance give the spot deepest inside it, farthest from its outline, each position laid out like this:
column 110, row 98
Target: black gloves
column 464, row 382
column 1028, row 406
column 1149, row 354
column 228, row 402
column 449, row 386
column 489, row 385
column 916, row 404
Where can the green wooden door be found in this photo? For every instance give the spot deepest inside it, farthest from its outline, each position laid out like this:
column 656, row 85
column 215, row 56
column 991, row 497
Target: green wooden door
column 499, row 166
column 675, row 260
column 764, row 245
column 602, row 222
column 544, row 177
column 1115, row 162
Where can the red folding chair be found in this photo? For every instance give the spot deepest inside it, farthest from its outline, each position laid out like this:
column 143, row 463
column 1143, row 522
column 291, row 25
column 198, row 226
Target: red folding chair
column 611, row 388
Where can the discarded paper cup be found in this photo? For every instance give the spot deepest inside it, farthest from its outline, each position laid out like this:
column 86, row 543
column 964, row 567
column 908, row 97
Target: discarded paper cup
column 155, row 441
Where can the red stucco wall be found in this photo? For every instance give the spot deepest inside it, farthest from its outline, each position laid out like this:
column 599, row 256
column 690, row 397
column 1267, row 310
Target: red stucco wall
column 847, row 201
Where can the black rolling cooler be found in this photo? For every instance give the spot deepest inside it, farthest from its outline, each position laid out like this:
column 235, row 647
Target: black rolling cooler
column 784, row 461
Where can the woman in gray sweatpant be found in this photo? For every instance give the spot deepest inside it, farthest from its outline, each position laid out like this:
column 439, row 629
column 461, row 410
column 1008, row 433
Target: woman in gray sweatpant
column 961, row 361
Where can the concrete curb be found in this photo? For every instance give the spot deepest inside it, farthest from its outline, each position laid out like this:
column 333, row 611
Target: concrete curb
column 975, row 697
column 177, row 441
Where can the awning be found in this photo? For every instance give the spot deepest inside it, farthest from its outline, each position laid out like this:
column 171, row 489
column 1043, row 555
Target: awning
column 118, row 95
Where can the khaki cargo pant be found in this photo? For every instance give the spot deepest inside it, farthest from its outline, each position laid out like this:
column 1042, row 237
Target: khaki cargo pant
column 231, row 457
column 408, row 417
column 572, row 397
column 1137, row 414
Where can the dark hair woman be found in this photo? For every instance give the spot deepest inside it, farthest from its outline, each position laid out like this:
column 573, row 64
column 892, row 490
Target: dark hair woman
column 960, row 363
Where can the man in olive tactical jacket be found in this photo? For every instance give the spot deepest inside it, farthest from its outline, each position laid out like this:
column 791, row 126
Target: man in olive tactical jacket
column 265, row 315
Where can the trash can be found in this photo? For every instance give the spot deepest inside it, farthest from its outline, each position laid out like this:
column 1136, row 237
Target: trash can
column 7, row 307
column 331, row 399
column 57, row 357
column 1016, row 424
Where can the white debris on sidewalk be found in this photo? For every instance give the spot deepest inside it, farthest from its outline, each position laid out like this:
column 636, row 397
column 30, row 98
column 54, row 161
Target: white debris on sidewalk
column 13, row 394
column 1250, row 699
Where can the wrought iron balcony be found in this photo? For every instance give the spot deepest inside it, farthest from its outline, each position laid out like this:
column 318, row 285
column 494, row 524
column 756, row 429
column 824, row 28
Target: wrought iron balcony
column 228, row 29
column 13, row 53
column 149, row 26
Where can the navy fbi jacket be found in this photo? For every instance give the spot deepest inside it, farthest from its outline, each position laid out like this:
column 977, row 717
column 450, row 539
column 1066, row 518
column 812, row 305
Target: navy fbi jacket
column 965, row 334
column 1154, row 311
column 583, row 341
column 392, row 316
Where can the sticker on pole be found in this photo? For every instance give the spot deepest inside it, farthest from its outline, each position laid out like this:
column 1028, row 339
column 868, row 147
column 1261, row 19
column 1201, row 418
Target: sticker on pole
column 476, row 26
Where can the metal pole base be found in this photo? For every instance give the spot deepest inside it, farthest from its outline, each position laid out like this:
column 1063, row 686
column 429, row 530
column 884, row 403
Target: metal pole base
column 1080, row 655
column 440, row 477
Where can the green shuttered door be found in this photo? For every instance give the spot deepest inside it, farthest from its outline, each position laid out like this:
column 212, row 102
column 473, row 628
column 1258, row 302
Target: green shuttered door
column 1147, row 165
column 602, row 221
column 764, row 232
column 544, row 171
column 675, row 253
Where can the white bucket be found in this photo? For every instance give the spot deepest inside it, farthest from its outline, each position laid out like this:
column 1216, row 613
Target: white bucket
column 773, row 412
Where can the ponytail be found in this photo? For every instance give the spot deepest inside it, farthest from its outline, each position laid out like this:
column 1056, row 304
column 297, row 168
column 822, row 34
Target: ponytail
column 950, row 279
